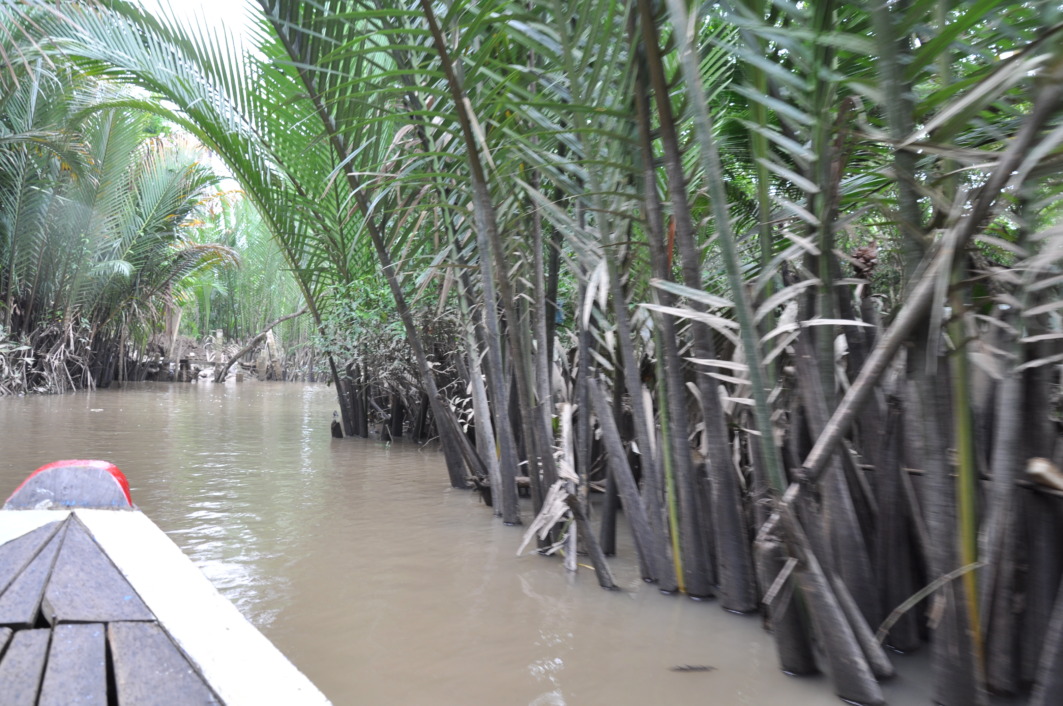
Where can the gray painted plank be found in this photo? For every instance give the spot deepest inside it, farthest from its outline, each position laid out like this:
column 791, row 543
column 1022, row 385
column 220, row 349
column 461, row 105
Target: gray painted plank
column 86, row 587
column 241, row 666
column 21, row 601
column 77, row 667
column 16, row 554
column 149, row 670
column 20, row 670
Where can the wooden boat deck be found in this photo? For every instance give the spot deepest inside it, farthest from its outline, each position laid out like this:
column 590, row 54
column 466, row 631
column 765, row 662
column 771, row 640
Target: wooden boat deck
column 100, row 607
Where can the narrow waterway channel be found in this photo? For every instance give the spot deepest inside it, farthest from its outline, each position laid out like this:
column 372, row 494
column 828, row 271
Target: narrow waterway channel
column 380, row 582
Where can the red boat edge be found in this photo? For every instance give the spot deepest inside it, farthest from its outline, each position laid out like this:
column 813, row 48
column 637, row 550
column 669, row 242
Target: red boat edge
column 73, row 483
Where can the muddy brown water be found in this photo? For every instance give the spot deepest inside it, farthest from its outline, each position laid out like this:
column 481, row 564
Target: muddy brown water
column 380, row 582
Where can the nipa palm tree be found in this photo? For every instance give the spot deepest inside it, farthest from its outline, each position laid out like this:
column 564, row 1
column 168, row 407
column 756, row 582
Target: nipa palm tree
column 701, row 175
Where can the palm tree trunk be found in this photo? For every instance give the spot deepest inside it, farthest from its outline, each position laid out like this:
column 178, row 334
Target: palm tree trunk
column 953, row 655
column 893, row 561
column 544, row 409
column 648, row 542
column 503, row 465
column 711, row 165
column 848, row 555
column 492, row 254
column 735, row 569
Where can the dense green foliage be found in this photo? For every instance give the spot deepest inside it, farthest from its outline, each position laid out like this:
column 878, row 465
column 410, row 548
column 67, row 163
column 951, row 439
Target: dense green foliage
column 240, row 301
column 93, row 238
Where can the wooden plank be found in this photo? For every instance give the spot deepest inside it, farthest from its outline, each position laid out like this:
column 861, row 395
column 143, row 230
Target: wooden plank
column 77, row 667
column 239, row 663
column 16, row 554
column 20, row 670
column 85, row 586
column 21, row 602
column 149, row 670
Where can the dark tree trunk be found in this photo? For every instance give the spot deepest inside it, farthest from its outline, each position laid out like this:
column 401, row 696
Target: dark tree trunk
column 724, row 523
column 847, row 554
column 398, row 417
column 894, row 543
column 648, row 543
column 785, row 614
column 952, row 652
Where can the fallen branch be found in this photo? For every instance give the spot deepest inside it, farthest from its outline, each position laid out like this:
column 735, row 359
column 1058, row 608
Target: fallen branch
column 921, row 594
column 220, row 373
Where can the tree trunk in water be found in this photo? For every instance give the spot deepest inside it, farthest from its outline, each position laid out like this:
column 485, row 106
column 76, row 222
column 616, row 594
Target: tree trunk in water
column 648, row 543
column 999, row 542
column 341, row 397
column 420, row 427
column 1045, row 569
column 952, row 651
column 853, row 679
column 787, row 623
column 876, row 657
column 544, row 408
column 1001, row 615
column 737, row 590
column 691, row 554
column 398, row 417
column 594, row 550
column 651, row 469
column 848, row 556
column 584, row 436
column 352, row 399
column 893, row 560
column 1048, row 690
column 475, row 340
column 609, row 507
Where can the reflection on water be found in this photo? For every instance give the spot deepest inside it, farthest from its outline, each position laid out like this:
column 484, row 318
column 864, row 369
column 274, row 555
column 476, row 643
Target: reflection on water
column 380, row 582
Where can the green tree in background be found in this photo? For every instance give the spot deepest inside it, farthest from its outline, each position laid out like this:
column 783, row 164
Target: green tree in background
column 92, row 243
column 240, row 301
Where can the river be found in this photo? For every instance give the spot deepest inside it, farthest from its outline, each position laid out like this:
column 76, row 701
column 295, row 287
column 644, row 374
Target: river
column 379, row 581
